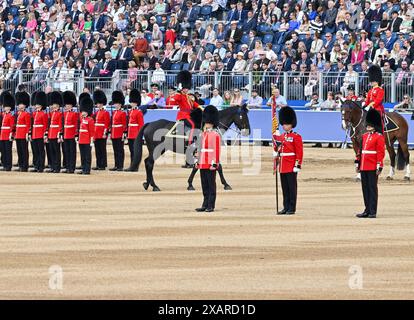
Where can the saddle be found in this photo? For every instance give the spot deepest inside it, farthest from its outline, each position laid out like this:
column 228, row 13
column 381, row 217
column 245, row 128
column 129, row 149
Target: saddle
column 182, row 131
column 390, row 124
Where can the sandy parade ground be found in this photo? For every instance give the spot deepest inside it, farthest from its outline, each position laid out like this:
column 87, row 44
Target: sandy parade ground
column 103, row 236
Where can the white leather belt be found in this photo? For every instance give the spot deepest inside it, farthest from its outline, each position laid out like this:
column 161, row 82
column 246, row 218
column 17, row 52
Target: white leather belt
column 368, row 152
column 20, row 126
column 38, row 126
column 117, row 126
column 207, row 150
column 54, row 126
column 134, row 125
column 83, row 130
column 69, row 126
column 99, row 125
column 5, row 128
column 287, row 154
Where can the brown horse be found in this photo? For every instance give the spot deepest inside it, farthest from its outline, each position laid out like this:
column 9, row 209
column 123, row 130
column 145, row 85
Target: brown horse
column 353, row 119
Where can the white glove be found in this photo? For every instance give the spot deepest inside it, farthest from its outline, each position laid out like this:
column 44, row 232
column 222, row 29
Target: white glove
column 367, row 108
column 276, row 133
column 296, row 169
column 275, row 154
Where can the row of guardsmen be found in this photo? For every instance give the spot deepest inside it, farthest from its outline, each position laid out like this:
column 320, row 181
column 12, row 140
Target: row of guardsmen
column 55, row 133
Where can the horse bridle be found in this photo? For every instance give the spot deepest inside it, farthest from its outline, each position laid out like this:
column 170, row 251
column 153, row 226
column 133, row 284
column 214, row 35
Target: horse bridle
column 349, row 124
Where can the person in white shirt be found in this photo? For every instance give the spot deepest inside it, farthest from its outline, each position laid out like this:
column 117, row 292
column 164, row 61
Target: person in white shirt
column 158, row 75
column 216, row 100
column 255, row 101
column 145, row 99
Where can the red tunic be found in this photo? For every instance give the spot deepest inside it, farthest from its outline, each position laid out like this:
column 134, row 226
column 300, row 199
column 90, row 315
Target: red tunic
column 373, row 151
column 186, row 105
column 376, row 95
column 40, row 124
column 135, row 123
column 7, row 126
column 290, row 151
column 352, row 98
column 70, row 127
column 210, row 149
column 86, row 130
column 23, row 124
column 119, row 125
column 55, row 127
column 102, row 123
column 170, row 102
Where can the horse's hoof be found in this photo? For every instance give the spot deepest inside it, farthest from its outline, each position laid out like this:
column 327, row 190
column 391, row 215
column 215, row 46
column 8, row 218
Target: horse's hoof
column 190, row 188
column 389, row 178
column 228, row 187
column 156, row 189
column 145, row 185
column 407, row 178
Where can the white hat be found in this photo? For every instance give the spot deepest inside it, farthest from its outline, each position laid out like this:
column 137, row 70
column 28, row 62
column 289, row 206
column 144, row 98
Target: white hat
column 240, row 54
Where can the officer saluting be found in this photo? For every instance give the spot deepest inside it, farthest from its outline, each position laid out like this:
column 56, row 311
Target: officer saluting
column 55, row 131
column 86, row 134
column 23, row 127
column 39, row 131
column 118, row 130
column 6, row 131
column 370, row 163
column 102, row 123
column 290, row 153
column 375, row 95
column 209, row 158
column 135, row 122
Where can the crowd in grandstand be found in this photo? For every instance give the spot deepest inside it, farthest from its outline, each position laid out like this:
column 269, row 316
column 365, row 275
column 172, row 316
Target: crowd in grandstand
column 251, row 44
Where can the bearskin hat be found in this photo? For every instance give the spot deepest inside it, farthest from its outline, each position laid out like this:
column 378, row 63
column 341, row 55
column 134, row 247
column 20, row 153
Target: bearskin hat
column 118, row 97
column 84, row 95
column 373, row 119
column 99, row 97
column 22, row 98
column 211, row 115
column 135, row 97
column 184, row 79
column 8, row 100
column 86, row 105
column 287, row 116
column 56, row 98
column 40, row 98
column 375, row 74
column 69, row 98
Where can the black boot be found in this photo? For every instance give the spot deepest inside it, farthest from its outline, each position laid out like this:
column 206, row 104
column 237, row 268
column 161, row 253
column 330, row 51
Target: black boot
column 363, row 215
column 282, row 211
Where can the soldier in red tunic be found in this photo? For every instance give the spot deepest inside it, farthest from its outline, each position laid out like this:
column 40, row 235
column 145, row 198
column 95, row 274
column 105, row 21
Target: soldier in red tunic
column 209, row 158
column 40, row 129
column 375, row 95
column 102, row 124
column 118, row 130
column 6, row 131
column 70, row 131
column 55, row 136
column 370, row 163
column 86, row 134
column 23, row 128
column 290, row 153
column 135, row 122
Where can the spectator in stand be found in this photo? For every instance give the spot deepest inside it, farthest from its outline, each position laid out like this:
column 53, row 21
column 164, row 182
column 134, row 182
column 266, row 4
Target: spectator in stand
column 227, row 97
column 216, row 100
column 314, row 103
column 157, row 102
column 357, row 55
column 234, row 34
column 158, row 76
column 329, row 104
column 384, row 24
column 280, row 100
column 255, row 101
column 317, row 24
column 236, row 98
column 145, row 98
column 405, row 105
column 316, row 45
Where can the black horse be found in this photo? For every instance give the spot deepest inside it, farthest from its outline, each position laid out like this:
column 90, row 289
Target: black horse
column 157, row 143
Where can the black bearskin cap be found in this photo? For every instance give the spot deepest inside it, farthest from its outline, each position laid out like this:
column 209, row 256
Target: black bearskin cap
column 135, row 97
column 56, row 98
column 86, row 105
column 8, row 100
column 184, row 79
column 373, row 119
column 118, row 97
column 69, row 97
column 287, row 116
column 22, row 98
column 40, row 98
column 211, row 115
column 99, row 97
column 375, row 74
column 84, row 95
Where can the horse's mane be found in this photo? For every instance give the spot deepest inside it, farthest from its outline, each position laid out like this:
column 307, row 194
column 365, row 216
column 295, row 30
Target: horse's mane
column 353, row 104
column 232, row 110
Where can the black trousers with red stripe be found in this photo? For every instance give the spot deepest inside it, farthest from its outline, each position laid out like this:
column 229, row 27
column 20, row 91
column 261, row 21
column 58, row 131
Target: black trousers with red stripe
column 208, row 184
column 70, row 154
column 290, row 190
column 22, row 153
column 131, row 148
column 86, row 157
column 6, row 154
column 38, row 148
column 369, row 182
column 55, row 155
column 100, row 153
column 119, row 153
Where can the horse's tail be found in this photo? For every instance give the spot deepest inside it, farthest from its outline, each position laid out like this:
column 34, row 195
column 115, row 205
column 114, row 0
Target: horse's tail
column 136, row 160
column 401, row 161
